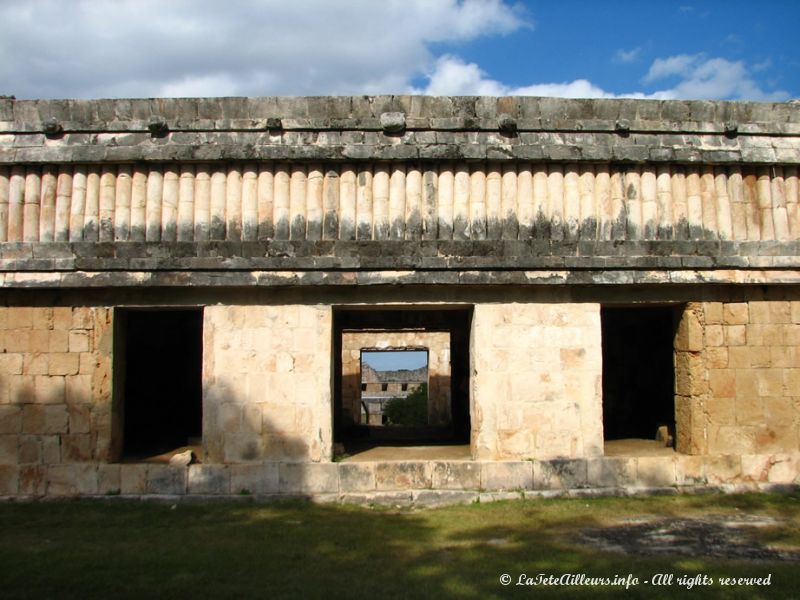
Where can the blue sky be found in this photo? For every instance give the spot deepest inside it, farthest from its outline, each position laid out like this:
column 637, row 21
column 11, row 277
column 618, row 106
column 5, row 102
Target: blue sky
column 143, row 48
column 389, row 361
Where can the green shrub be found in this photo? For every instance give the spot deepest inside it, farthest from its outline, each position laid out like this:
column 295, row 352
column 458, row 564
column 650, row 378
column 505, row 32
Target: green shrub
column 411, row 410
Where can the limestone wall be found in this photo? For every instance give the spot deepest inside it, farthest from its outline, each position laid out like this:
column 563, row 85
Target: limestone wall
column 55, row 391
column 738, row 384
column 536, row 381
column 187, row 202
column 436, row 342
column 267, row 383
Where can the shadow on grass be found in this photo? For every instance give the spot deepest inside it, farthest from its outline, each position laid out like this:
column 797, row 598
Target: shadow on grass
column 145, row 550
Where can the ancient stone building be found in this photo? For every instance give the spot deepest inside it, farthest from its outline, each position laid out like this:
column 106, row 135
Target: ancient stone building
column 200, row 273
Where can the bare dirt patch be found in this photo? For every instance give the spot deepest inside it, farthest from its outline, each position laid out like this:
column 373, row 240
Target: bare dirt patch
column 730, row 537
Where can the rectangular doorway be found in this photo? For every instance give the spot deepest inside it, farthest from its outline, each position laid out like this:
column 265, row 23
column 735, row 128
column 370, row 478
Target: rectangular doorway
column 382, row 402
column 638, row 375
column 158, row 357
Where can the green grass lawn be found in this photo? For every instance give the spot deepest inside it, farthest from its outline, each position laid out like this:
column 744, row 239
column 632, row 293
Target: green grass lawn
column 120, row 549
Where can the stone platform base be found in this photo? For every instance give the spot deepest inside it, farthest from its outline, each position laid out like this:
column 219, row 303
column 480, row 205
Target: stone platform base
column 406, row 482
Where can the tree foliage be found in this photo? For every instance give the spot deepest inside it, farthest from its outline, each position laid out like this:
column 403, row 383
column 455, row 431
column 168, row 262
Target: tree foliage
column 411, row 410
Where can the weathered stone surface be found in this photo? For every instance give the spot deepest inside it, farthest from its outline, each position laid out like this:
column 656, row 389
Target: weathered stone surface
column 308, row 478
column 209, row 479
column 456, row 476
column 430, row 498
column 356, row 477
column 611, row 472
column 507, row 475
column 259, row 479
column 402, row 475
column 560, row 474
column 167, row 480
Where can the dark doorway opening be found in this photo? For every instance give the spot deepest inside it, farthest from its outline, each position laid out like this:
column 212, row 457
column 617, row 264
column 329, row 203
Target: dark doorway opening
column 158, row 373
column 638, row 372
column 455, row 324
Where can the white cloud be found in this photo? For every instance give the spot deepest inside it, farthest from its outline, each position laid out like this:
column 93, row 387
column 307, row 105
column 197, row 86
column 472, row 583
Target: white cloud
column 627, row 56
column 709, row 78
column 97, row 48
column 665, row 67
column 698, row 77
column 452, row 76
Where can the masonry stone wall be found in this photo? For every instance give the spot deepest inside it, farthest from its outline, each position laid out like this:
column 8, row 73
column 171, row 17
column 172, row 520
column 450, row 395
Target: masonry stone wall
column 438, row 346
column 536, row 381
column 271, row 212
column 55, row 392
column 738, row 383
column 267, row 383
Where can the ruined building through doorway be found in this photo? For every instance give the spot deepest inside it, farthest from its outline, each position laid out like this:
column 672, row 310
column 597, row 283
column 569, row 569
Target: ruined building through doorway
column 584, row 276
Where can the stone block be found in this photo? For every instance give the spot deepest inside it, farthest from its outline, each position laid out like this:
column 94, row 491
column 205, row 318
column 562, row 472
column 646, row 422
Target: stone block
column 44, row 419
column 407, row 475
column 78, row 341
column 9, row 444
column 10, row 419
column 495, row 496
column 62, row 317
column 560, row 474
column 209, row 479
column 39, row 341
column 64, row 363
column 309, row 478
column 784, row 468
column 30, row 449
column 80, row 418
column 723, row 469
column 714, row 335
column 735, row 313
column 76, row 447
column 58, row 341
column 62, row 480
column 759, row 312
column 432, row 498
column 79, row 390
column 614, row 472
column 713, row 313
column 49, row 389
column 404, row 498
column 9, row 480
column 689, row 336
column 509, row 475
column 717, row 358
column 722, row 383
column 10, row 364
column 109, row 480
column 655, row 471
column 133, row 479
column 163, row 479
column 51, row 449
column 244, row 448
column 735, row 335
column 356, row 477
column 456, row 476
column 86, row 479
column 756, row 467
column 260, row 479
column 32, row 480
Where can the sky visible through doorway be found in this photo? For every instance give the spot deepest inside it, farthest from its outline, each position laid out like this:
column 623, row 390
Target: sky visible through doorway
column 395, row 360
